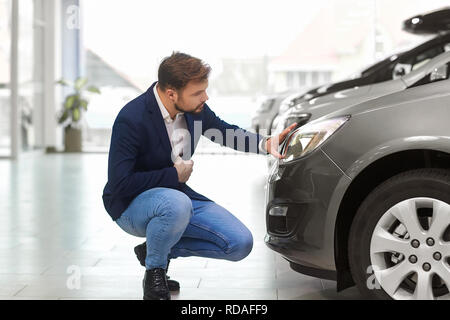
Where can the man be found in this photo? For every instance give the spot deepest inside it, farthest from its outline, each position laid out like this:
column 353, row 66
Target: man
column 153, row 139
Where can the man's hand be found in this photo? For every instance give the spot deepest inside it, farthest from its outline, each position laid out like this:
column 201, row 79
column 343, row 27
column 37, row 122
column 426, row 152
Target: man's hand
column 184, row 169
column 273, row 143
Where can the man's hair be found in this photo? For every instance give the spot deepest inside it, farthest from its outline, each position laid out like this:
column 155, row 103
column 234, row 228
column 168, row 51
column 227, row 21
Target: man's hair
column 177, row 70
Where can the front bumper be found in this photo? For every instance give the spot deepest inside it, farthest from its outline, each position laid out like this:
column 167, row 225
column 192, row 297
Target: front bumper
column 300, row 217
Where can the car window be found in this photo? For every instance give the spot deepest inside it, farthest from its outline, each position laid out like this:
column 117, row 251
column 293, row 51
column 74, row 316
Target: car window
column 438, row 74
column 427, row 55
column 404, row 67
column 419, row 64
column 367, row 71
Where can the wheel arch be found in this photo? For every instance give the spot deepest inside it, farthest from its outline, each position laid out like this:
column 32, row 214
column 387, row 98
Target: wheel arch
column 361, row 186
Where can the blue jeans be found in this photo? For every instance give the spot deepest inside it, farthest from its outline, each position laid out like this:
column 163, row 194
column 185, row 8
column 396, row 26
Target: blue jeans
column 176, row 226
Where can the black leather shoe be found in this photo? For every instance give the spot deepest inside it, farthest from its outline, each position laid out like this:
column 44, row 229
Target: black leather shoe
column 155, row 285
column 141, row 254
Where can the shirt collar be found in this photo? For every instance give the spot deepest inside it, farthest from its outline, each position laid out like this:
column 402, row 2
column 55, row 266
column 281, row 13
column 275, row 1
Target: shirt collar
column 164, row 112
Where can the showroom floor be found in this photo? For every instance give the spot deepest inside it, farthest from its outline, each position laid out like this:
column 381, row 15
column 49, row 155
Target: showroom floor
column 57, row 241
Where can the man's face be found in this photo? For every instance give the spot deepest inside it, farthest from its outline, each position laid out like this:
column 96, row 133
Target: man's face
column 192, row 98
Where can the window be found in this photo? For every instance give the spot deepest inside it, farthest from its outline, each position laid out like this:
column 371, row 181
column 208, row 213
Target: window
column 302, row 79
column 5, row 92
column 315, row 78
column 30, row 92
column 29, row 74
column 290, row 79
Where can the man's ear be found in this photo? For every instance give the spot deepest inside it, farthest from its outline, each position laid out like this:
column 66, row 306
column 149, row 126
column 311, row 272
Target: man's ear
column 172, row 94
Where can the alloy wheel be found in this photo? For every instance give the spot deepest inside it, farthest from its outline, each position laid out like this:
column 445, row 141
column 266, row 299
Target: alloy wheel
column 410, row 250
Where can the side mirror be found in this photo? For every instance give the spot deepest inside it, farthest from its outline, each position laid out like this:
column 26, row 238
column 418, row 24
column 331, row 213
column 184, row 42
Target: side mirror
column 400, row 70
column 440, row 73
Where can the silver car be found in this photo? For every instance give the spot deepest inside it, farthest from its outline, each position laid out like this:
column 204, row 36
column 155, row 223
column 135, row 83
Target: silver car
column 268, row 110
column 316, row 108
column 363, row 195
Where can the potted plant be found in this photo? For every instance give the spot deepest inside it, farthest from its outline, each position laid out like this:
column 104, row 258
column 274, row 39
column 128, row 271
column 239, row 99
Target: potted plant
column 71, row 113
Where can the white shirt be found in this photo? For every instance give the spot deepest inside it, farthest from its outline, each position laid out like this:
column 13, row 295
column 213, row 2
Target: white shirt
column 177, row 129
column 178, row 132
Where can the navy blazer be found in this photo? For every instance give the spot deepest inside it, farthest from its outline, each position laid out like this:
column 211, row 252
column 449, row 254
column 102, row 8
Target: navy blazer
column 140, row 151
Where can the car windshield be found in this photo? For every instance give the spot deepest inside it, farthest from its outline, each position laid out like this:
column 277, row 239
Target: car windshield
column 266, row 105
column 380, row 64
column 368, row 70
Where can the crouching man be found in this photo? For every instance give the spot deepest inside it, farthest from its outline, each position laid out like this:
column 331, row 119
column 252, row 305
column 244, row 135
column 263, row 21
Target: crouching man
column 153, row 139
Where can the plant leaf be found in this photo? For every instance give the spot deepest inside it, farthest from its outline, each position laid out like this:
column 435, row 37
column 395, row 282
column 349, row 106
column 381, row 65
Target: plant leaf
column 69, row 101
column 75, row 115
column 93, row 90
column 80, row 83
column 63, row 117
column 76, row 103
column 84, row 104
column 64, row 83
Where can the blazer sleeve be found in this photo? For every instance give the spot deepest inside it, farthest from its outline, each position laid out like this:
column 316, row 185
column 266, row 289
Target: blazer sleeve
column 228, row 135
column 125, row 144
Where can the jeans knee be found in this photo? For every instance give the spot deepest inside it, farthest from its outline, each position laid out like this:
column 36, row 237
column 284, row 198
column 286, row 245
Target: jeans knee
column 179, row 208
column 242, row 248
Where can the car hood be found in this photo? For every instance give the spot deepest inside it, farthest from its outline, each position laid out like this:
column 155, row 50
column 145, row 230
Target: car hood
column 420, row 94
column 434, row 22
column 319, row 107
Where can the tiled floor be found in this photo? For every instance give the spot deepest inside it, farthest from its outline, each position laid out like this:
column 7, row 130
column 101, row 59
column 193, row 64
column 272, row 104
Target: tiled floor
column 57, row 241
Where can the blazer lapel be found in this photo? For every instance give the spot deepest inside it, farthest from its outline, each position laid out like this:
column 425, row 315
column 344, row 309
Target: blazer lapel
column 157, row 119
column 190, row 126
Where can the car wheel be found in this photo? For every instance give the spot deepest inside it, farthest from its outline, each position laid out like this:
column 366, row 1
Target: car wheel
column 399, row 242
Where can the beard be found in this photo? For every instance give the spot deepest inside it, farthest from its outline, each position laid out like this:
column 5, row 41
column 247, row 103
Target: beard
column 197, row 110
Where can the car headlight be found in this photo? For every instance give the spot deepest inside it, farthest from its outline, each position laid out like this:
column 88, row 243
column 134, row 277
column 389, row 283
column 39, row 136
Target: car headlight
column 309, row 137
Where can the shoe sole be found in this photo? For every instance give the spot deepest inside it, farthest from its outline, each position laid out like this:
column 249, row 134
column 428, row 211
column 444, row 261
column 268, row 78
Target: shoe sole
column 169, row 297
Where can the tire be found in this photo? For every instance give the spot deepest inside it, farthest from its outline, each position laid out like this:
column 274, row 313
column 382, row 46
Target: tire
column 390, row 207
